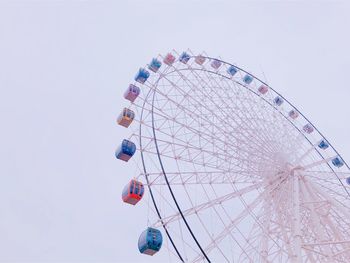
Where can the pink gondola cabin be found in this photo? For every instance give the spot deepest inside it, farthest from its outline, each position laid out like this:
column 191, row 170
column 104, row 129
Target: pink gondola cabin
column 132, row 92
column 263, row 89
column 169, row 59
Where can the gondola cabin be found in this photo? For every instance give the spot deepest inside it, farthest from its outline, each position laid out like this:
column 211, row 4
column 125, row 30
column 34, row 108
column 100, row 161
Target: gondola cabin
column 150, row 241
column 200, row 60
column 133, row 192
column 215, row 64
column 293, row 114
column 323, row 144
column 337, row 162
column 132, row 93
column 348, row 180
column 263, row 89
column 155, row 65
column 126, row 117
column 247, row 79
column 308, row 128
column 278, row 101
column 126, row 150
column 184, row 58
column 169, row 59
column 142, row 75
column 232, row 70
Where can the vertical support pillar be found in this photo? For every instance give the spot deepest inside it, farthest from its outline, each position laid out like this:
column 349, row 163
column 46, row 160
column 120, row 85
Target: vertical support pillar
column 296, row 219
column 266, row 229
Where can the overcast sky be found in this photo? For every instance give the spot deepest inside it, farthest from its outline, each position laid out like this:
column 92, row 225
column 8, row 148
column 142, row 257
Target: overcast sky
column 64, row 66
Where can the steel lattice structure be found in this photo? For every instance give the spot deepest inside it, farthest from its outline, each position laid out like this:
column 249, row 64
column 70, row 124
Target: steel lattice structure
column 236, row 173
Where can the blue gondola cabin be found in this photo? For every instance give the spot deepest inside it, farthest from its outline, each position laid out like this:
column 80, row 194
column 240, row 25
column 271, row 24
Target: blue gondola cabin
column 132, row 93
column 308, row 128
column 155, row 65
column 278, row 101
column 142, row 75
column 133, row 192
column 232, row 70
column 338, row 162
column 126, row 150
column 150, row 241
column 184, row 58
column 199, row 60
column 169, row 59
column 323, row 144
column 263, row 89
column 215, row 64
column 293, row 114
column 126, row 117
column 247, row 79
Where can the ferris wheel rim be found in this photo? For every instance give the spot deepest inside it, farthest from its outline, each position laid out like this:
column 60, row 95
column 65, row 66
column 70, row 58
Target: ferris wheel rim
column 276, row 108
column 156, row 143
column 151, row 192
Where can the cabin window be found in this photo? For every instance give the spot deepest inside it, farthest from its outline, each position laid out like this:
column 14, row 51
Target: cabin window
column 142, row 190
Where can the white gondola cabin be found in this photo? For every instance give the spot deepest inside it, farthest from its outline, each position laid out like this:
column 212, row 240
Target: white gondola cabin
column 126, row 117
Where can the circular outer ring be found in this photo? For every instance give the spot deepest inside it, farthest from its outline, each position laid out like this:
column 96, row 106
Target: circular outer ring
column 244, row 86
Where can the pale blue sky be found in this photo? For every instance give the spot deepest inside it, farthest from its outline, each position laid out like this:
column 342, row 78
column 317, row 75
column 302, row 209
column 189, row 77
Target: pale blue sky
column 64, row 66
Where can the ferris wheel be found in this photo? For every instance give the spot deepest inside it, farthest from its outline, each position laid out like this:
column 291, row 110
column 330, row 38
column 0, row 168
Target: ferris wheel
column 233, row 172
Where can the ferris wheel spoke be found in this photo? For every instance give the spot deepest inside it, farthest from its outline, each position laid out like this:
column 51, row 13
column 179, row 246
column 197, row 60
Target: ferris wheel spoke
column 210, row 137
column 318, row 163
column 305, row 154
column 198, row 208
column 251, row 109
column 336, row 195
column 316, row 225
column 318, row 253
column 331, row 220
column 341, row 207
column 250, row 249
column 213, row 83
column 280, row 226
column 342, row 173
column 265, row 231
column 198, row 177
column 199, row 151
column 233, row 223
column 234, row 239
column 329, row 184
column 206, row 95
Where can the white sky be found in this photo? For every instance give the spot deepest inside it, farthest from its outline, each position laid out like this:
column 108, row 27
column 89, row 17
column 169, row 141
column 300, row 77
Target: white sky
column 64, row 66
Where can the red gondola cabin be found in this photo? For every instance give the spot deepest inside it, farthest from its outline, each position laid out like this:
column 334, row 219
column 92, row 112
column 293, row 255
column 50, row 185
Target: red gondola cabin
column 133, row 192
